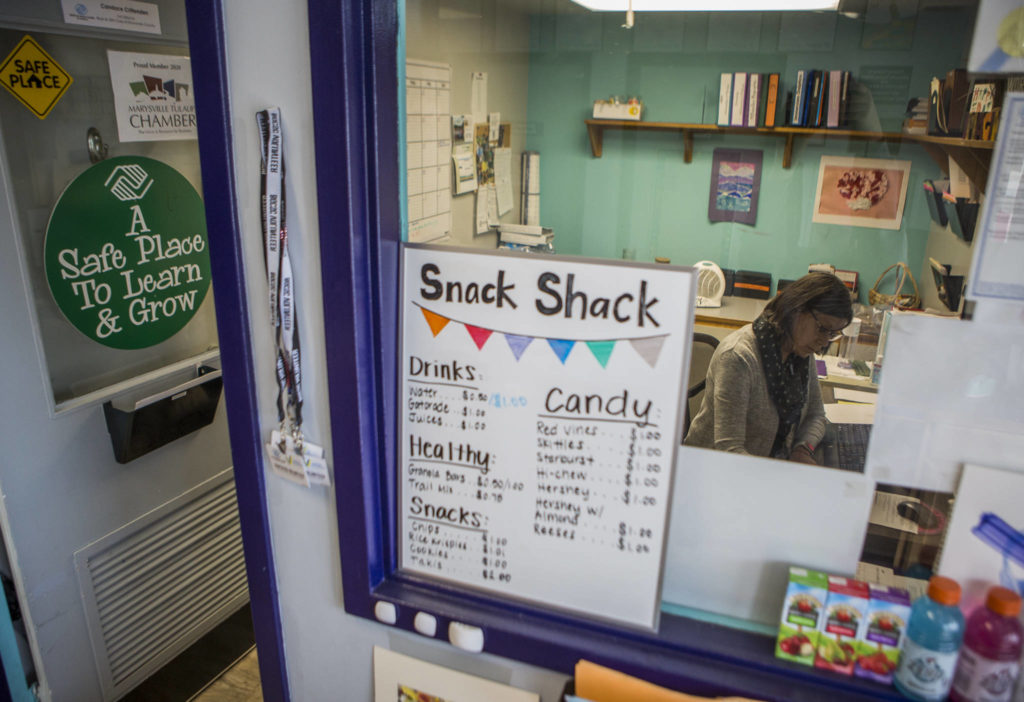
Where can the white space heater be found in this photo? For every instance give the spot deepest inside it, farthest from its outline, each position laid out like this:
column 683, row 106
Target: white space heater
column 710, row 284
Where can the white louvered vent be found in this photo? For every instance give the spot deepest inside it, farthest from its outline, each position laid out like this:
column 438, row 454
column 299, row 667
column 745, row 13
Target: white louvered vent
column 154, row 586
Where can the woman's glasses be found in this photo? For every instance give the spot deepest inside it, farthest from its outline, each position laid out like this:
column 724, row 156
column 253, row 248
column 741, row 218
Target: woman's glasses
column 830, row 334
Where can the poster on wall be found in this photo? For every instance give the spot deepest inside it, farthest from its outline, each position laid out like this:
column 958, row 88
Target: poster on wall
column 540, row 414
column 125, row 253
column 153, row 96
column 861, row 192
column 735, row 185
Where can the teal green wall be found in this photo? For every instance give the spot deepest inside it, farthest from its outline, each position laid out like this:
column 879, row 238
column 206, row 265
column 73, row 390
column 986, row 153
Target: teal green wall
column 641, row 195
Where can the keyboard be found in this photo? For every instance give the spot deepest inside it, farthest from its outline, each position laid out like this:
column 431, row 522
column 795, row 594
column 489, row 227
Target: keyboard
column 852, row 445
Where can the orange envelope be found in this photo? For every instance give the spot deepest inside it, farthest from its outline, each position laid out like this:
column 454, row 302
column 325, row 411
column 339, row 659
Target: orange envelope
column 599, row 684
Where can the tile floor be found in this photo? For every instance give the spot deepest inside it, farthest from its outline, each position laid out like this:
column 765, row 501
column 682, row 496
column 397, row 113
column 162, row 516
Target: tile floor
column 220, row 667
column 239, row 683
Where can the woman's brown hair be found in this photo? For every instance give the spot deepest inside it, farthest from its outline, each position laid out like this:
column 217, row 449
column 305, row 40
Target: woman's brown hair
column 818, row 292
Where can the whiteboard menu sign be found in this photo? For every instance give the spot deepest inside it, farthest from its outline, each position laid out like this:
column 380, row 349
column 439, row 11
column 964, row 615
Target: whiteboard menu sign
column 540, row 413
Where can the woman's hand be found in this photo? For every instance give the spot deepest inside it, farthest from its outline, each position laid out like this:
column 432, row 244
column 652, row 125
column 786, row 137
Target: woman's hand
column 802, row 454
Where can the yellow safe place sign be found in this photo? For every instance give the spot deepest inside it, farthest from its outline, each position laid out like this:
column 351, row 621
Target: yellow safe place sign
column 34, row 77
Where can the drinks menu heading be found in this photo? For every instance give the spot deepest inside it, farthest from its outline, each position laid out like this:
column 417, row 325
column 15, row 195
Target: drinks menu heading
column 540, row 413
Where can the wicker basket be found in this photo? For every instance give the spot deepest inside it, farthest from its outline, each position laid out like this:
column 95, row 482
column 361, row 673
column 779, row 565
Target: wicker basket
column 898, row 299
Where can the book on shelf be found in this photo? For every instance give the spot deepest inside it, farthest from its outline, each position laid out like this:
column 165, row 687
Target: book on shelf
column 753, row 99
column 844, row 100
column 821, row 103
column 983, row 110
column 725, row 100
column 812, row 94
column 798, row 101
column 739, row 99
column 835, row 91
column 771, row 100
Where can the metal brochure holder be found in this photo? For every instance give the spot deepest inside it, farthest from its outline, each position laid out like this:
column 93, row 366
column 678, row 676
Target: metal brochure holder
column 148, row 418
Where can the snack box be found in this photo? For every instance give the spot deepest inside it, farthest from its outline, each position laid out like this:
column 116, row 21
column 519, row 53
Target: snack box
column 878, row 649
column 801, row 614
column 845, row 618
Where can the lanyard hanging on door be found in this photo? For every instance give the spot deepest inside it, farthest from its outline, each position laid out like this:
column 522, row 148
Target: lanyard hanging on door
column 290, row 454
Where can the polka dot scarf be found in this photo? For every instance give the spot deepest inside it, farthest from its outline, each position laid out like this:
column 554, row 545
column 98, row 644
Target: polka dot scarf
column 787, row 380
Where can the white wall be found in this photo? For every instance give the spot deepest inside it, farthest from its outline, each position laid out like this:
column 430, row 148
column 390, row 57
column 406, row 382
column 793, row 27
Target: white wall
column 328, row 652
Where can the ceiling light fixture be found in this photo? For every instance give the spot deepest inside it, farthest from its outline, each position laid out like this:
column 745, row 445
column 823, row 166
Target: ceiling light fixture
column 707, row 5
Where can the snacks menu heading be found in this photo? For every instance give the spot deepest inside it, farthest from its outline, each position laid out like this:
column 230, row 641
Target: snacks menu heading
column 540, row 413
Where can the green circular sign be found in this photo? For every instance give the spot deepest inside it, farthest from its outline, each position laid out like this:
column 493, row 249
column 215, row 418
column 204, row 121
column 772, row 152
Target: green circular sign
column 126, row 254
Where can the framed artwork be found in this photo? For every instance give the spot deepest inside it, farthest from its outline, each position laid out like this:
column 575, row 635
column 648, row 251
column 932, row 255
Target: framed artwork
column 400, row 678
column 861, row 192
column 735, row 184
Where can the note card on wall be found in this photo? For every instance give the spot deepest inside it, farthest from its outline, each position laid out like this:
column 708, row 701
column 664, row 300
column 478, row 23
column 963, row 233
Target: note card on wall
column 540, row 412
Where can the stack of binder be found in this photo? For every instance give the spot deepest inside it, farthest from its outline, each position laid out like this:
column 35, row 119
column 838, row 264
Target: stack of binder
column 820, row 99
column 531, row 235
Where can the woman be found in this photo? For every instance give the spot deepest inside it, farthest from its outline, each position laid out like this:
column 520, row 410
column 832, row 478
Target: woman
column 762, row 396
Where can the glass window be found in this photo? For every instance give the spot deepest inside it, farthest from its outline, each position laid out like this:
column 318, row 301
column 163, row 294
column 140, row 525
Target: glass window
column 759, row 147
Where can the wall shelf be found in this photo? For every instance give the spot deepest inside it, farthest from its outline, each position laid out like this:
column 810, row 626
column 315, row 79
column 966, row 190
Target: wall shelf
column 972, row 156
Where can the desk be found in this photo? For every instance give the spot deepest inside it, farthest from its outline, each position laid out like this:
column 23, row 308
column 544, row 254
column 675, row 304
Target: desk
column 734, row 313
column 845, row 377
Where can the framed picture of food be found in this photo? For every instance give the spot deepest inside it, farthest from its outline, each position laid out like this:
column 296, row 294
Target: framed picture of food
column 861, row 192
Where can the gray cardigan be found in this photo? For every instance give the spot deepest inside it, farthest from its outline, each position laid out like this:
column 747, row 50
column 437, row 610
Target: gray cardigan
column 737, row 413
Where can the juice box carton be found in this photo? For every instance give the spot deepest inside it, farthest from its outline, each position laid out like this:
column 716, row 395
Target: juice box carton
column 801, row 614
column 845, row 617
column 878, row 649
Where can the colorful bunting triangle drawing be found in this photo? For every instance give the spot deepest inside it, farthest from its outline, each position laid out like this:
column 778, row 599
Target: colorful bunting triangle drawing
column 518, row 344
column 649, row 348
column 436, row 321
column 601, row 350
column 561, row 347
column 480, row 335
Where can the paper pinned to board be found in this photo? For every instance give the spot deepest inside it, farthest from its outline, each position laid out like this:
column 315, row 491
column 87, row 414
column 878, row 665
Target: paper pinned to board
column 503, row 178
column 482, row 227
column 478, row 96
column 464, row 161
column 492, row 206
column 494, row 127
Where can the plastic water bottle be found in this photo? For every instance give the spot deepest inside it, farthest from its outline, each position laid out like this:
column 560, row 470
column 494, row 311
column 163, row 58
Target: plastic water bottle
column 990, row 659
column 932, row 643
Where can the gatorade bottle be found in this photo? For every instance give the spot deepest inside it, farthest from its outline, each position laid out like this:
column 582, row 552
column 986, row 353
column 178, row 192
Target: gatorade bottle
column 931, row 643
column 990, row 659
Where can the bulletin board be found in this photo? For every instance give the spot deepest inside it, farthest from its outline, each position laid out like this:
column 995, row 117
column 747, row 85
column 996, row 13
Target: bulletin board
column 540, row 413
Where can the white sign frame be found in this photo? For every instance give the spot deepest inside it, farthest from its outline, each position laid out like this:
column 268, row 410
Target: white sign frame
column 998, row 256
column 613, row 571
